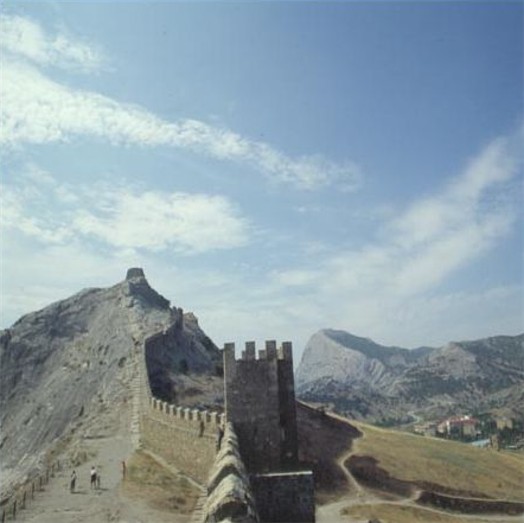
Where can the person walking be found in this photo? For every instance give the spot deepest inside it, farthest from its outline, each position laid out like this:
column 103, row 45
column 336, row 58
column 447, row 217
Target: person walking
column 220, row 436
column 93, row 477
column 72, row 485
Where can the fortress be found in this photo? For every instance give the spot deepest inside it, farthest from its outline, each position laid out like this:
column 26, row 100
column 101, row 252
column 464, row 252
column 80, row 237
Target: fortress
column 255, row 476
column 252, row 472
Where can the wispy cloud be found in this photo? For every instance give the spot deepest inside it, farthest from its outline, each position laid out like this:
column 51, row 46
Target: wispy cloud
column 37, row 110
column 121, row 217
column 423, row 246
column 25, row 38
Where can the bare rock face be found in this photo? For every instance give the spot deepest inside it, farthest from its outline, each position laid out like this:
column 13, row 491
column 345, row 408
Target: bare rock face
column 66, row 370
column 370, row 381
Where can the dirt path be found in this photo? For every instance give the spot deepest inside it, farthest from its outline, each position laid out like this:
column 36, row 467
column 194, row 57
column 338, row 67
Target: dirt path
column 109, row 503
column 359, row 495
column 106, row 504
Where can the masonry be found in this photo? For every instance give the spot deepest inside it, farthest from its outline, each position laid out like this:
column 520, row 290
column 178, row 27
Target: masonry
column 260, row 404
column 175, row 434
column 256, row 475
column 182, row 436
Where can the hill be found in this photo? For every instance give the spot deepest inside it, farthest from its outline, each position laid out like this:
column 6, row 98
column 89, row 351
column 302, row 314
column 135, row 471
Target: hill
column 369, row 381
column 365, row 472
column 67, row 370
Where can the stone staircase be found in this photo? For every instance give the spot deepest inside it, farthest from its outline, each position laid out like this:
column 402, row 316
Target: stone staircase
column 136, row 390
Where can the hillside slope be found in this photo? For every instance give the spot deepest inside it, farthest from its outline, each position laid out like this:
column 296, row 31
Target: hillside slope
column 67, row 369
column 366, row 380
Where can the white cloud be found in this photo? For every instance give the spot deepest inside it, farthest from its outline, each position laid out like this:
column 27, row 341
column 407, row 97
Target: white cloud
column 154, row 221
column 25, row 38
column 37, row 110
column 123, row 218
column 459, row 206
column 384, row 285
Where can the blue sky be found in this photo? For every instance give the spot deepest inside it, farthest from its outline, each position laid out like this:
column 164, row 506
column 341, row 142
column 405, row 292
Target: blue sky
column 275, row 167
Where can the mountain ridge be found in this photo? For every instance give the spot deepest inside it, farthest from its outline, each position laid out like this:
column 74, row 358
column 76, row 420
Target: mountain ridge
column 371, row 381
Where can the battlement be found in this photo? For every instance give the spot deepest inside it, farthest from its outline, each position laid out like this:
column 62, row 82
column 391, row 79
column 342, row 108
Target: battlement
column 135, row 272
column 260, row 402
column 271, row 352
column 185, row 413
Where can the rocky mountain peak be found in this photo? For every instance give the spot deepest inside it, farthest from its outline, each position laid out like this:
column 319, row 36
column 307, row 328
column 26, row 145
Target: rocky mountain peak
column 365, row 379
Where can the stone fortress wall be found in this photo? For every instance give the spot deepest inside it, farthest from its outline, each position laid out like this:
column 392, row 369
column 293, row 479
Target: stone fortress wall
column 236, row 486
column 174, row 432
column 229, row 495
column 260, row 404
column 256, row 475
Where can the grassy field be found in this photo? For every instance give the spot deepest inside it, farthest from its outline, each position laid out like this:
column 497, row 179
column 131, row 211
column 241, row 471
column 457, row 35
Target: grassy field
column 455, row 466
column 158, row 487
column 389, row 513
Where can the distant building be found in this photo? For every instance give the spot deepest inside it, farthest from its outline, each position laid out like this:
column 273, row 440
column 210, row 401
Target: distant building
column 504, row 423
column 426, row 429
column 459, row 426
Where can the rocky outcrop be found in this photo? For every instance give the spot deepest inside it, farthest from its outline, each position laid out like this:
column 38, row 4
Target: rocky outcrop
column 366, row 380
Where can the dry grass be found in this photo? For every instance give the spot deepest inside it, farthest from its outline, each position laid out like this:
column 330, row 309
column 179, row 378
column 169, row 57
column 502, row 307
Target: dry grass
column 390, row 513
column 159, row 488
column 323, row 440
column 455, row 466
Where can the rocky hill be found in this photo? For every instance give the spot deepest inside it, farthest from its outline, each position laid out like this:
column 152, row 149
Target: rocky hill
column 66, row 371
column 366, row 380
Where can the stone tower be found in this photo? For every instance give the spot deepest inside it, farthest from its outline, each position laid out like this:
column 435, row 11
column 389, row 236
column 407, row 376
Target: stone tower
column 260, row 402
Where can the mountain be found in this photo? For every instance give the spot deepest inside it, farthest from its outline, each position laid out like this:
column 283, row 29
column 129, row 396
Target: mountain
column 370, row 381
column 66, row 371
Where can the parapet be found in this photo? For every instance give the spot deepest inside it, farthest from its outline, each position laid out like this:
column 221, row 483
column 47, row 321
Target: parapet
column 284, row 352
column 174, row 412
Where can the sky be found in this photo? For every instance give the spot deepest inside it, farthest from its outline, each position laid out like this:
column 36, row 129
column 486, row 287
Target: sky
column 275, row 167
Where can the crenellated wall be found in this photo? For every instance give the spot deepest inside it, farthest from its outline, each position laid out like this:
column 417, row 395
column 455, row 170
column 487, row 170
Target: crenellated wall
column 260, row 402
column 183, row 437
column 254, row 474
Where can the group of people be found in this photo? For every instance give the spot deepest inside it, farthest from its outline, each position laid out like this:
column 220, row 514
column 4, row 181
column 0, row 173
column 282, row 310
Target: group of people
column 94, row 479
